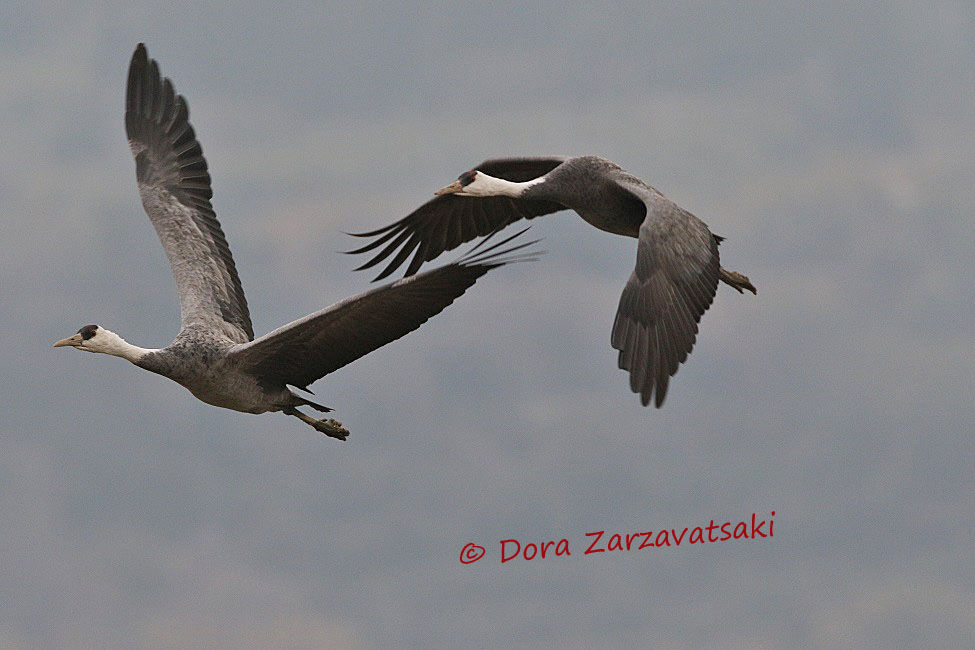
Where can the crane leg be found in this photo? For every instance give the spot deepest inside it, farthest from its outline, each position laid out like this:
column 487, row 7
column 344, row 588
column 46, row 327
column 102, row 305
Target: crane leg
column 736, row 280
column 331, row 428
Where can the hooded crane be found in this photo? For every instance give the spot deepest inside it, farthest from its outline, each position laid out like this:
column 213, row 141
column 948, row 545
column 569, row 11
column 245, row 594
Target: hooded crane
column 677, row 268
column 215, row 354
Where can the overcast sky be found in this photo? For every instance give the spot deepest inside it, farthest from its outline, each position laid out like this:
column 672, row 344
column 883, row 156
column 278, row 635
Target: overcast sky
column 832, row 146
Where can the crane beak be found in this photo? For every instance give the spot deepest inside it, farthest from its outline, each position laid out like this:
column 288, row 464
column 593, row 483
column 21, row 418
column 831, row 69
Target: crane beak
column 453, row 188
column 73, row 341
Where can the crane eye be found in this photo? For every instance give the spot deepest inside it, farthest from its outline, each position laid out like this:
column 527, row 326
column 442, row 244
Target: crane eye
column 467, row 177
column 88, row 331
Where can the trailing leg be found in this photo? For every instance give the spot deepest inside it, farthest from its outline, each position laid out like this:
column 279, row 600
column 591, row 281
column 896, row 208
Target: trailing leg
column 331, row 428
column 737, row 281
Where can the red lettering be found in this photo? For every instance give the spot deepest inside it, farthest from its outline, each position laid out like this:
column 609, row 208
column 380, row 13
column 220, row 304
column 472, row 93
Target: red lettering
column 598, row 534
column 711, row 527
column 514, row 555
column 563, row 545
column 676, row 538
column 754, row 529
column 758, row 530
column 545, row 548
column 724, row 530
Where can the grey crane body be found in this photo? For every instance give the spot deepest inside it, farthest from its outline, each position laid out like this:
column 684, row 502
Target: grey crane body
column 590, row 186
column 202, row 362
column 677, row 266
column 215, row 355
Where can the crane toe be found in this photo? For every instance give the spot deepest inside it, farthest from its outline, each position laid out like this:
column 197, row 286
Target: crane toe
column 331, row 428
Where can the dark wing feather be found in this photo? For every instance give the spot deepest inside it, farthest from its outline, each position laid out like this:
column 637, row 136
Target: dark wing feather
column 673, row 284
column 446, row 222
column 175, row 188
column 320, row 343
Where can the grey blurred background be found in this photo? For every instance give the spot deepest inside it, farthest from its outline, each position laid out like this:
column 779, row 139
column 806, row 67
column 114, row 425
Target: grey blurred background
column 831, row 145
